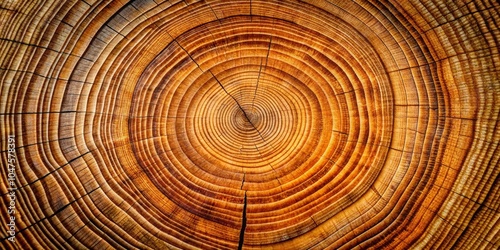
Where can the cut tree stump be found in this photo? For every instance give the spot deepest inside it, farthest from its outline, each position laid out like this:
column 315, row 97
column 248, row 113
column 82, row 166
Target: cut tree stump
column 250, row 124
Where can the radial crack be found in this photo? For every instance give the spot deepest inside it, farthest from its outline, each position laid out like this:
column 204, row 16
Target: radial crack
column 239, row 106
column 260, row 70
column 243, row 181
column 58, row 211
column 257, row 83
column 189, row 55
column 243, row 223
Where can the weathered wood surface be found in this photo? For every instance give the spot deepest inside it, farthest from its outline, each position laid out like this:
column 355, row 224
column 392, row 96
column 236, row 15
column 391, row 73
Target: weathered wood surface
column 252, row 124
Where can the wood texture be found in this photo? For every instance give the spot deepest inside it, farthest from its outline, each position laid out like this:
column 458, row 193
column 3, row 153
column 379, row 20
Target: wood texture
column 252, row 124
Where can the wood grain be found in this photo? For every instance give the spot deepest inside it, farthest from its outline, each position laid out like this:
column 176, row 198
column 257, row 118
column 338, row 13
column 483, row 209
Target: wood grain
column 252, row 124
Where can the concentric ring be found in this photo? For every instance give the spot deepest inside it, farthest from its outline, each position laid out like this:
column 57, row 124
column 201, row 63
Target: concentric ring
column 253, row 124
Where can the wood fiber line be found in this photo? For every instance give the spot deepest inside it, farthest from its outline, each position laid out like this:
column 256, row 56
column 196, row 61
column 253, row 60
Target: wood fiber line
column 251, row 124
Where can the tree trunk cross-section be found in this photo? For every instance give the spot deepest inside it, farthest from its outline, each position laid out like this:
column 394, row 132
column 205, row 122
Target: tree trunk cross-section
column 250, row 124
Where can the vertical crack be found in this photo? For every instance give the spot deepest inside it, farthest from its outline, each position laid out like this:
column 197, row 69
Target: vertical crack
column 244, row 223
column 243, row 181
column 251, row 9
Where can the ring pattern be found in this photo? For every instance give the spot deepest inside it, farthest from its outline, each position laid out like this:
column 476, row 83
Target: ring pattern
column 253, row 124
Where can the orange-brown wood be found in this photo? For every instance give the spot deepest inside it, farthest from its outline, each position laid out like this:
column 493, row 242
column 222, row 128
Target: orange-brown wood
column 250, row 124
